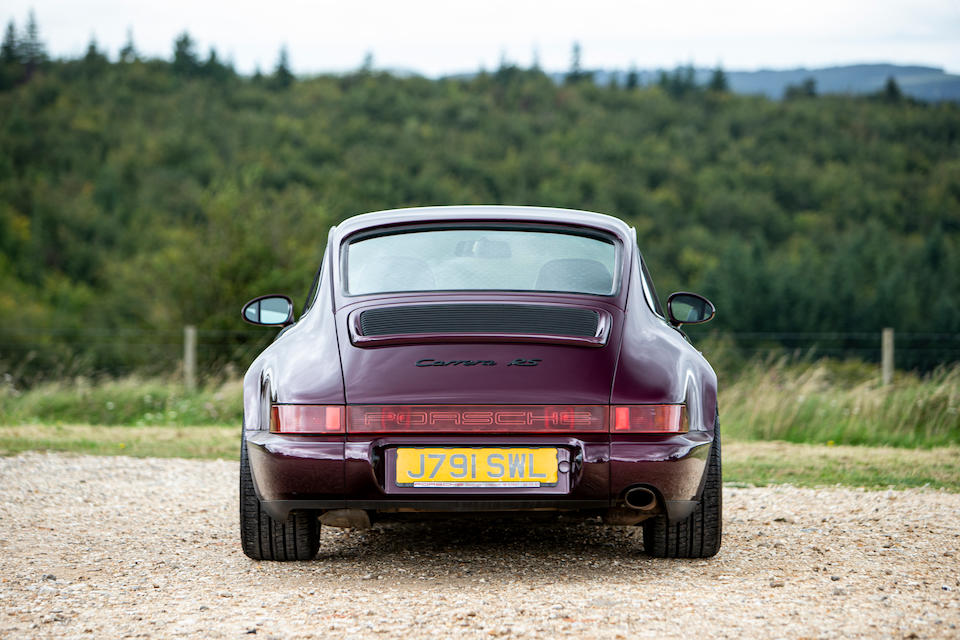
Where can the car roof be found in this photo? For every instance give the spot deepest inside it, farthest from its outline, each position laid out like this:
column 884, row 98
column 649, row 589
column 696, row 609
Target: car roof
column 484, row 213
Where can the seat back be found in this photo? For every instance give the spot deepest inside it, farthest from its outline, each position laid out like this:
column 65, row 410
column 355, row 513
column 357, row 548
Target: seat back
column 574, row 274
column 393, row 273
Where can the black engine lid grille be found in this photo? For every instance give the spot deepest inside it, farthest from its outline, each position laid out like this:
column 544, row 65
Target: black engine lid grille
column 480, row 318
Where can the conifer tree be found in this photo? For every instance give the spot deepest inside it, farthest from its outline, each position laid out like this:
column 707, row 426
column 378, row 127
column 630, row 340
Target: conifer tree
column 212, row 68
column 891, row 90
column 576, row 73
column 185, row 60
column 10, row 69
column 93, row 55
column 128, row 53
column 367, row 65
column 94, row 62
column 32, row 52
column 282, row 76
column 32, row 46
column 806, row 89
column 8, row 50
column 681, row 82
column 718, row 81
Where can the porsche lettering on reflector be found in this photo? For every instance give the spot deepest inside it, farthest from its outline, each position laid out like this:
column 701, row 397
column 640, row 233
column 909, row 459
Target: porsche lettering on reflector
column 476, row 467
column 476, row 418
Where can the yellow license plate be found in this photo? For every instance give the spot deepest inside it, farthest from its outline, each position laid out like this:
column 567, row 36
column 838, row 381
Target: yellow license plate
column 476, row 467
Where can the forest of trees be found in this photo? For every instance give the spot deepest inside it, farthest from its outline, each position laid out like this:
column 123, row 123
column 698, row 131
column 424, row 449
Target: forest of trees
column 138, row 195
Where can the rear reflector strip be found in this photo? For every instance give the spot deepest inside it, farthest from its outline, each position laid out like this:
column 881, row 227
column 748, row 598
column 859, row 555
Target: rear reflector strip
column 333, row 419
column 306, row 418
column 649, row 418
column 476, row 418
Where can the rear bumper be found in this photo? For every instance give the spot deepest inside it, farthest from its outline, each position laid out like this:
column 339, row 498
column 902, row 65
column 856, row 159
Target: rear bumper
column 336, row 472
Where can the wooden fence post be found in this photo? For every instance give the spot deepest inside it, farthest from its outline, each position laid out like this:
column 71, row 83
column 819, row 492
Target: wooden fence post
column 190, row 357
column 886, row 355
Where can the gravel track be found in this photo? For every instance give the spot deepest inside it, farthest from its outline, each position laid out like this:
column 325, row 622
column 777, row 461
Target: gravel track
column 112, row 547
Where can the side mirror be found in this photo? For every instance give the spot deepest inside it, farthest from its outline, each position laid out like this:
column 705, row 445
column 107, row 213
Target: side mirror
column 269, row 311
column 689, row 308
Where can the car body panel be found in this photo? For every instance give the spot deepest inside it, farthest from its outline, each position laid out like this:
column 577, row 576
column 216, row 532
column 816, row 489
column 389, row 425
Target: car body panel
column 658, row 364
column 558, row 373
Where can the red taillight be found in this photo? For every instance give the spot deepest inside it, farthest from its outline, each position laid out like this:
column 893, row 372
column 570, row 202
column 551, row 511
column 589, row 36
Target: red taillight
column 476, row 418
column 306, row 418
column 649, row 418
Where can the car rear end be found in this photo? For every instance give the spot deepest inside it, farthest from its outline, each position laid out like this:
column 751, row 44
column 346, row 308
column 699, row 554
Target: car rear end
column 479, row 360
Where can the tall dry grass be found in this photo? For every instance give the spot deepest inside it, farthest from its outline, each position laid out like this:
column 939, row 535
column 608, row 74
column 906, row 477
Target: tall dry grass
column 842, row 403
column 130, row 401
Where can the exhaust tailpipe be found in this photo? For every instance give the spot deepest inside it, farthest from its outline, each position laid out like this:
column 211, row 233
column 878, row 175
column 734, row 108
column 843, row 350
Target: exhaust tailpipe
column 346, row 518
column 641, row 499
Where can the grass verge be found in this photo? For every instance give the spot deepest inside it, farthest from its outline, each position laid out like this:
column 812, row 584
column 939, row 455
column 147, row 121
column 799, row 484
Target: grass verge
column 755, row 463
column 141, row 442
column 812, row 465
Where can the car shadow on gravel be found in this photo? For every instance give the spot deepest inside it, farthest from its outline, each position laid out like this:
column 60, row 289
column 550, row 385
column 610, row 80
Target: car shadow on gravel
column 482, row 547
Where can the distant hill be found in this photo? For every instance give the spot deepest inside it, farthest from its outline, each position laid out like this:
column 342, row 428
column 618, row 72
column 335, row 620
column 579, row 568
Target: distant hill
column 931, row 84
column 924, row 83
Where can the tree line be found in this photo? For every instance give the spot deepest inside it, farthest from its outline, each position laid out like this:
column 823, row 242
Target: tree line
column 140, row 195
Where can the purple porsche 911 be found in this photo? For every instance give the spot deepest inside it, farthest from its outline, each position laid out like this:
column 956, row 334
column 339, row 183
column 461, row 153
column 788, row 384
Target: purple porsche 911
column 480, row 359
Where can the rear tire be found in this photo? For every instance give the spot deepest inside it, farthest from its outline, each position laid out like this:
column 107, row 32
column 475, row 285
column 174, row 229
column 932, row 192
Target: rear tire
column 698, row 535
column 262, row 537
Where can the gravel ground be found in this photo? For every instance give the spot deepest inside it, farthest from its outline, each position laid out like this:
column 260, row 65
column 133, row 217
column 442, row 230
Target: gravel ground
column 120, row 547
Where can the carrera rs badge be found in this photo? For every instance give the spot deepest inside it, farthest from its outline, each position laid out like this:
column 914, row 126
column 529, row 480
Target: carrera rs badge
column 518, row 362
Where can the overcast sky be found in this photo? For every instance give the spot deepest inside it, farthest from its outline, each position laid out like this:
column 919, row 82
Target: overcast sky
column 447, row 36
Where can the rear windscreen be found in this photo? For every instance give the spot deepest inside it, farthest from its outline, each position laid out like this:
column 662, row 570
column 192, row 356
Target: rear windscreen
column 481, row 259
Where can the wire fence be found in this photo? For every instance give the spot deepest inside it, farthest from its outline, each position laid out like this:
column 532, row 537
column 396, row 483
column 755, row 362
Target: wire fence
column 38, row 353
column 939, row 348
